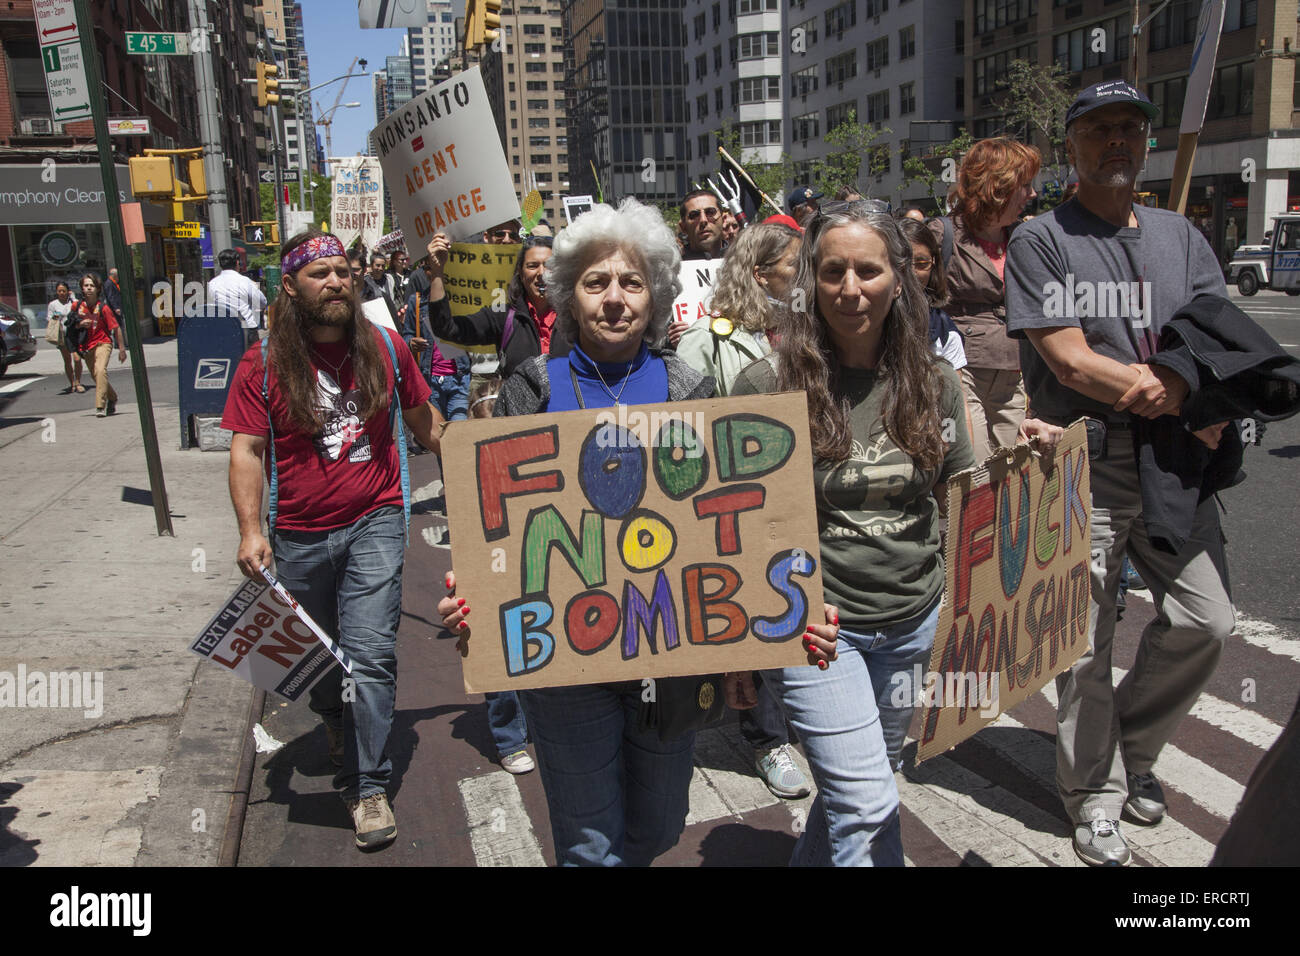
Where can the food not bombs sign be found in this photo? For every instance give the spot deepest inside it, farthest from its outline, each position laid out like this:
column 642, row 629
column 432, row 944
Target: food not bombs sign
column 635, row 542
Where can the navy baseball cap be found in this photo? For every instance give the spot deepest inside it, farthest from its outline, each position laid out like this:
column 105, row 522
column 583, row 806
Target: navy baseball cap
column 800, row 196
column 1104, row 94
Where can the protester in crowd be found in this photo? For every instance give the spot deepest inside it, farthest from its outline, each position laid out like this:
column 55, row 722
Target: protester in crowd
column 312, row 407
column 113, row 293
column 927, row 263
column 803, row 205
column 913, row 212
column 448, row 378
column 847, row 194
column 994, row 183
column 399, row 273
column 95, row 323
column 380, row 277
column 543, row 228
column 366, row 285
column 701, row 223
column 749, row 293
column 730, row 227
column 1099, row 365
column 781, row 219
column 521, row 330
column 56, row 315
column 616, row 794
column 235, row 294
column 503, row 234
column 879, row 406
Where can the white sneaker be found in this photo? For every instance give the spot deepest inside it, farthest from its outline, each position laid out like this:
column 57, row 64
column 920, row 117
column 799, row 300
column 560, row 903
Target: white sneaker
column 518, row 762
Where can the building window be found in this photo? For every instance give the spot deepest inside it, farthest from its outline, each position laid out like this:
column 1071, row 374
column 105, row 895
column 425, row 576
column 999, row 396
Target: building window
column 876, row 7
column 1232, row 91
column 700, row 27
column 539, row 141
column 991, row 14
column 805, row 127
column 804, row 82
column 1174, row 25
column 539, row 159
column 702, row 106
column 753, row 46
column 537, row 104
column 878, row 54
column 840, row 114
column 907, row 42
column 761, row 133
column 535, row 86
column 841, row 68
column 534, row 29
column 906, row 99
column 880, row 159
column 991, row 71
column 1167, row 95
column 1074, row 50
column 534, row 48
column 717, row 57
column 701, row 67
column 878, row 108
column 717, row 99
column 758, row 89
column 756, row 6
column 534, row 67
column 840, row 18
column 539, row 122
column 809, row 28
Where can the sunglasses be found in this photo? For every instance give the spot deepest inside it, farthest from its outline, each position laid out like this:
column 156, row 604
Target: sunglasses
column 504, row 234
column 842, row 206
column 921, row 262
column 711, row 213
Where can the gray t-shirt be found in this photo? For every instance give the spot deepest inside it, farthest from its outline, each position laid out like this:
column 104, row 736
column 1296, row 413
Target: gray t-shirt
column 1120, row 285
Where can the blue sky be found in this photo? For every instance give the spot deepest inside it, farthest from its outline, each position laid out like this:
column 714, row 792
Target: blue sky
column 333, row 38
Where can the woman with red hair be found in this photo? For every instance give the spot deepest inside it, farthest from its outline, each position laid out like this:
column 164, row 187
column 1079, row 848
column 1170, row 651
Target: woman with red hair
column 994, row 184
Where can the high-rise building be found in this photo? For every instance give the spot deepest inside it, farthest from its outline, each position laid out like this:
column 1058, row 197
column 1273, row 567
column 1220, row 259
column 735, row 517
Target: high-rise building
column 624, row 92
column 283, row 23
column 524, row 76
column 1248, row 154
column 431, row 44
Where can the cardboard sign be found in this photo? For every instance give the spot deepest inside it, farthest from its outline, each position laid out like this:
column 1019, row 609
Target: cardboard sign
column 575, row 206
column 1016, row 593
column 476, row 276
column 634, row 542
column 698, row 276
column 264, row 637
column 357, row 206
column 446, row 169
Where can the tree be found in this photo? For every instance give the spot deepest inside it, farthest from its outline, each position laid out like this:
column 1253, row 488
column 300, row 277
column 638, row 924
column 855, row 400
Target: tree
column 938, row 169
column 850, row 141
column 1036, row 100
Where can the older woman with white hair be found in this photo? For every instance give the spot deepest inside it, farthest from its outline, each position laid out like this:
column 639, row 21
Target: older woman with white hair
column 617, row 794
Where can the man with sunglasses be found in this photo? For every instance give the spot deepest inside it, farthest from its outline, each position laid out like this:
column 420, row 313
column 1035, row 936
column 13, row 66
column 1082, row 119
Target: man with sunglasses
column 702, row 226
column 503, row 234
column 1092, row 359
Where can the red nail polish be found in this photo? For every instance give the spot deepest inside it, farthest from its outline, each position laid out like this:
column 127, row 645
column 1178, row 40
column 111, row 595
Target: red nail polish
column 822, row 665
column 464, row 610
column 460, row 602
column 447, row 580
column 462, row 625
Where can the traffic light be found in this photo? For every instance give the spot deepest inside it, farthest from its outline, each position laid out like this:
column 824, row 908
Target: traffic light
column 491, row 24
column 473, row 25
column 266, row 86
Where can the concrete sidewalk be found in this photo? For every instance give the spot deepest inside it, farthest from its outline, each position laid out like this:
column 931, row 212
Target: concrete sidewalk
column 143, row 771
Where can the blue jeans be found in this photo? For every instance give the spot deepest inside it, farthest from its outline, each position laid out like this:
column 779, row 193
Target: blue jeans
column 854, row 819
column 350, row 580
column 617, row 796
column 451, row 395
column 891, row 654
column 763, row 725
column 506, row 719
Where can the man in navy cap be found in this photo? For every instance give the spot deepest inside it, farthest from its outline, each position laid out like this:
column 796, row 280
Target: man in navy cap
column 802, row 203
column 1124, row 270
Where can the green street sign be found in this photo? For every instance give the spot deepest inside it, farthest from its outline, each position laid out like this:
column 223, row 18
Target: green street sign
column 50, row 57
column 1151, row 142
column 158, row 44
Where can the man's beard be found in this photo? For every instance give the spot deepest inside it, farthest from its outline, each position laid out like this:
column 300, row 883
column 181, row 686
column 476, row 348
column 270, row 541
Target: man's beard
column 329, row 313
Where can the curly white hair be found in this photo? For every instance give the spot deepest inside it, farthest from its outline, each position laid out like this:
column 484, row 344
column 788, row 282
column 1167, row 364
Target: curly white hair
column 633, row 228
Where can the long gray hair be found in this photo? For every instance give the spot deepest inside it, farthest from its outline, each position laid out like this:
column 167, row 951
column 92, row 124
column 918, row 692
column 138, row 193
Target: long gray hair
column 634, row 229
column 906, row 370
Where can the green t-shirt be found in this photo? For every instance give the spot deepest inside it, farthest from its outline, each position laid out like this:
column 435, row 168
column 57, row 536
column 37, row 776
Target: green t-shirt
column 877, row 520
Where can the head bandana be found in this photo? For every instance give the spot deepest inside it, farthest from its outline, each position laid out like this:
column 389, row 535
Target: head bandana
column 316, row 247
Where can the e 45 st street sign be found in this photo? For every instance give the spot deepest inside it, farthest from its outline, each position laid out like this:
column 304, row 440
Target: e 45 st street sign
column 158, row 44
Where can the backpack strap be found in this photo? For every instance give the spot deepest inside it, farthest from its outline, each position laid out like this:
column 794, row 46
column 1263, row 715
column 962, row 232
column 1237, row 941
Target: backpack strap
column 275, row 471
column 399, row 436
column 509, row 328
column 947, row 240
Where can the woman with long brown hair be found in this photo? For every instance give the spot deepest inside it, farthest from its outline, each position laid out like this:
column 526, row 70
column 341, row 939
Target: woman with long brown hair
column 994, row 183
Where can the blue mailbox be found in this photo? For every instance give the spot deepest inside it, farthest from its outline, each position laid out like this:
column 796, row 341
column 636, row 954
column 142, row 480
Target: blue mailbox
column 210, row 341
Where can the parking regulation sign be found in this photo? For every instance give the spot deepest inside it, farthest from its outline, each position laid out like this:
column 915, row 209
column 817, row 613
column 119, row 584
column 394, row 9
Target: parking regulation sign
column 65, row 71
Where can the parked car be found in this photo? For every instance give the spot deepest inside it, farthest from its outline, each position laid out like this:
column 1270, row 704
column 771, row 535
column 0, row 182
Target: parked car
column 1273, row 265
column 17, row 344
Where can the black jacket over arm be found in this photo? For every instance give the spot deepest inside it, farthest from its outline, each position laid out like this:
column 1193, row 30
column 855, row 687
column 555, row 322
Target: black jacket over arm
column 487, row 326
column 1234, row 370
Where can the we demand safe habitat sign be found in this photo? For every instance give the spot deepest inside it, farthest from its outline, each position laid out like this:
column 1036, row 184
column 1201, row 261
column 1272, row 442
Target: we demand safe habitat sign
column 1016, row 590
column 634, row 542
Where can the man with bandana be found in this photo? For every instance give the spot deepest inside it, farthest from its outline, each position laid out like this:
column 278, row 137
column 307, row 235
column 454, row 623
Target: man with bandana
column 313, row 411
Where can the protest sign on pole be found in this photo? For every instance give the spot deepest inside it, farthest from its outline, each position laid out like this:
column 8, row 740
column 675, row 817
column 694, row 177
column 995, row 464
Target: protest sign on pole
column 635, row 542
column 575, row 206
column 263, row 636
column 357, row 204
column 445, row 166
column 1016, row 589
column 698, row 276
column 476, row 277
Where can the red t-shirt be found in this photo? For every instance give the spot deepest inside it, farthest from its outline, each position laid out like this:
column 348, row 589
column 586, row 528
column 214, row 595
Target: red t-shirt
column 330, row 479
column 103, row 322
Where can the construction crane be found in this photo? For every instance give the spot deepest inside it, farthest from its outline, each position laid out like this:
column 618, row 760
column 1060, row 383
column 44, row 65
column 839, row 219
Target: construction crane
column 327, row 118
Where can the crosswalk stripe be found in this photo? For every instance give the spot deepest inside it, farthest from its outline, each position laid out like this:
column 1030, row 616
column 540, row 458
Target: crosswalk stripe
column 16, row 384
column 1169, row 844
column 1208, row 788
column 500, row 831
column 1271, row 638
column 971, row 815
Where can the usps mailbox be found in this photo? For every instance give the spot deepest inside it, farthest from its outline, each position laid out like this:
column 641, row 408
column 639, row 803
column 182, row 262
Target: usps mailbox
column 210, row 341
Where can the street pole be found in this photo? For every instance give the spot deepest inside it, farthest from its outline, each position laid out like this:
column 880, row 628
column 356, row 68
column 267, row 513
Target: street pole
column 279, row 175
column 210, row 131
column 121, row 255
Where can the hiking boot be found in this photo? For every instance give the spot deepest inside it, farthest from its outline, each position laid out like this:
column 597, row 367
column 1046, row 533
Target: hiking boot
column 778, row 770
column 518, row 762
column 1099, row 843
column 1146, row 801
column 335, row 737
column 373, row 820
column 112, row 406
